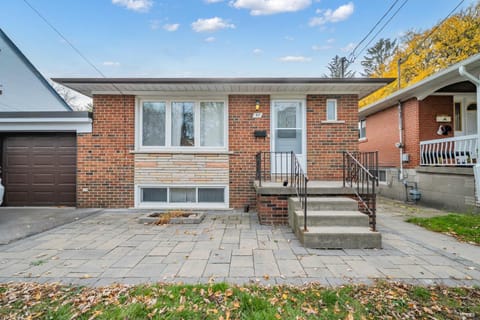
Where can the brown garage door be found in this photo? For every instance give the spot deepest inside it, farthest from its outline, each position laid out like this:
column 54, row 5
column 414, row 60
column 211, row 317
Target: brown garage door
column 39, row 169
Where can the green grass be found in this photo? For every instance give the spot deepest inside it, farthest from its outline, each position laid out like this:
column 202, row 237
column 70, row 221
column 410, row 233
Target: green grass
column 222, row 301
column 465, row 227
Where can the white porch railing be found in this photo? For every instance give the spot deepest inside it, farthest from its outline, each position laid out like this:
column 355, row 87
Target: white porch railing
column 456, row 151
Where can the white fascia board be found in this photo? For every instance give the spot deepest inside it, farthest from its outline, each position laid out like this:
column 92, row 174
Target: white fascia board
column 46, row 125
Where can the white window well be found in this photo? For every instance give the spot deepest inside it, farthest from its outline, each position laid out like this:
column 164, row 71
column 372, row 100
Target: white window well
column 180, row 196
column 331, row 109
column 181, row 124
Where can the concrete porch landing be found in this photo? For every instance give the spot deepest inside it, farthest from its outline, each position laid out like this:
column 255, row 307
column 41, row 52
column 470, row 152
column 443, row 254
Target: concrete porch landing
column 315, row 187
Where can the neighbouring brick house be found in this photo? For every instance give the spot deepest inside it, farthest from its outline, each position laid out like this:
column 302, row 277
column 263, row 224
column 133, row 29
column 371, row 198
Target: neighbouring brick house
column 193, row 142
column 436, row 145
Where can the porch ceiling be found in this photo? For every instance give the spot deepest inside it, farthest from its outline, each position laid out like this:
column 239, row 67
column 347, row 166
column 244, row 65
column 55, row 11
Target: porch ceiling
column 149, row 86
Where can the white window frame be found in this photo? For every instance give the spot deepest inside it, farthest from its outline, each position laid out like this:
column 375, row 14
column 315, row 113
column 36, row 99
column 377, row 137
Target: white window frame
column 360, row 129
column 168, row 124
column 179, row 205
column 336, row 110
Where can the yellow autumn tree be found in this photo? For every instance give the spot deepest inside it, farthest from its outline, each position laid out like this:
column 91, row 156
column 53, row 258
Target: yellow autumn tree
column 425, row 53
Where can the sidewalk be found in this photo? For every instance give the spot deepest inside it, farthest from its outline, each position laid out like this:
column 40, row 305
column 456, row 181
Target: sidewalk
column 232, row 246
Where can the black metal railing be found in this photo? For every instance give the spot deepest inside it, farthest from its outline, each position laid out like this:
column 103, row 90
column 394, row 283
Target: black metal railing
column 285, row 168
column 360, row 172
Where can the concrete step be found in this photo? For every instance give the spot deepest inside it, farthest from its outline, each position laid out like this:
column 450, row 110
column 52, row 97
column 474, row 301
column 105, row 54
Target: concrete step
column 324, row 218
column 327, row 203
column 340, row 238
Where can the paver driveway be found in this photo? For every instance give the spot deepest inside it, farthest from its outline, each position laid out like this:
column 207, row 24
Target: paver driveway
column 230, row 246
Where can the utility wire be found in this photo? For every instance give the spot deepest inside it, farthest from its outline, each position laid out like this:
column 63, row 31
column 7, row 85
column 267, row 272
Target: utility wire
column 352, row 55
column 70, row 44
column 383, row 26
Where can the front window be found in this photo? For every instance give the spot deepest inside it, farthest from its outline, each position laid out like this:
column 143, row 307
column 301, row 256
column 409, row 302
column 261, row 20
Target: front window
column 183, row 133
column 182, row 124
column 331, row 110
column 153, row 125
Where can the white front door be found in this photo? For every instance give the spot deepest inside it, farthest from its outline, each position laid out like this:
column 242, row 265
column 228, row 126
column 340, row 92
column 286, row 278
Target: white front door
column 288, row 128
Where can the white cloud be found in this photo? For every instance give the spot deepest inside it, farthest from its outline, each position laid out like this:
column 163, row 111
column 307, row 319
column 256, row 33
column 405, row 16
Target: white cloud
column 257, row 51
column 331, row 40
column 111, row 63
column 135, row 5
column 211, row 25
column 349, row 47
column 340, row 14
column 321, row 48
column 210, row 39
column 266, row 7
column 171, row 27
column 295, row 59
column 289, row 38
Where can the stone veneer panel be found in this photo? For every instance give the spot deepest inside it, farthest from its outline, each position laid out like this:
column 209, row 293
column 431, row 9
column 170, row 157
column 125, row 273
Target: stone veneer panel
column 180, row 168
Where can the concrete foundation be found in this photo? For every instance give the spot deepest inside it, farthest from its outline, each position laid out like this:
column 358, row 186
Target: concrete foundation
column 450, row 188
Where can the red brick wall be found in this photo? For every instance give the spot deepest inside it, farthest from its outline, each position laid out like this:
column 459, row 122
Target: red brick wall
column 429, row 109
column 327, row 141
column 272, row 209
column 244, row 145
column 382, row 134
column 419, row 123
column 104, row 164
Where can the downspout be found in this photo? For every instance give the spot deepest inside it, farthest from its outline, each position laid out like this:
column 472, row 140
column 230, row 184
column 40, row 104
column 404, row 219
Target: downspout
column 400, row 144
column 476, row 170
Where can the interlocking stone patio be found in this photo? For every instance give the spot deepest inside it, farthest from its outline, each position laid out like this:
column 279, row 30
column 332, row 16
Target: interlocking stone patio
column 231, row 246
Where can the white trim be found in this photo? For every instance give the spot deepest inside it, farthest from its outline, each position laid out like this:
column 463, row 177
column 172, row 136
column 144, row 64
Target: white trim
column 335, row 119
column 190, row 205
column 168, row 100
column 303, row 107
column 46, row 124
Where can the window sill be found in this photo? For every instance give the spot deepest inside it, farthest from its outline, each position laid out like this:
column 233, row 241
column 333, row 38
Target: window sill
column 362, row 140
column 173, row 151
column 333, row 121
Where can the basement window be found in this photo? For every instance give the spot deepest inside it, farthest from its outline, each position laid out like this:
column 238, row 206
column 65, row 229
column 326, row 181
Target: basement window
column 183, row 196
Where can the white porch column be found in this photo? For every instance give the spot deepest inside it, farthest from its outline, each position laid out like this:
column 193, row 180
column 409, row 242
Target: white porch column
column 476, row 169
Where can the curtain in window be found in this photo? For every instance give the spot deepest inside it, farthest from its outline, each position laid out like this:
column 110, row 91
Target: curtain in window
column 153, row 125
column 183, row 124
column 211, row 124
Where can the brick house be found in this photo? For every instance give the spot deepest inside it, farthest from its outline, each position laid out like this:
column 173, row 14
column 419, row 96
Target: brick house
column 435, row 148
column 192, row 143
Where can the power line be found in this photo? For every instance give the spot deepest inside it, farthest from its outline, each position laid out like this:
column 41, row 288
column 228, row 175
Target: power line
column 383, row 27
column 70, row 44
column 352, row 55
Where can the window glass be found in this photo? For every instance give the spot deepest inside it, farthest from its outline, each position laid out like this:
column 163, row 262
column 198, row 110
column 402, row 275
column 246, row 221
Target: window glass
column 182, row 195
column 153, row 124
column 362, row 129
column 154, row 194
column 183, row 124
column 331, row 110
column 212, row 124
column 211, row 195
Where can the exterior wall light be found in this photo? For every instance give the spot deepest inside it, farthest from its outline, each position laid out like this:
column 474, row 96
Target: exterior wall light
column 257, row 105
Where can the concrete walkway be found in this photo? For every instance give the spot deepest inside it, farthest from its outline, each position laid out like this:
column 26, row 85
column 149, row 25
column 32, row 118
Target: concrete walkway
column 233, row 247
